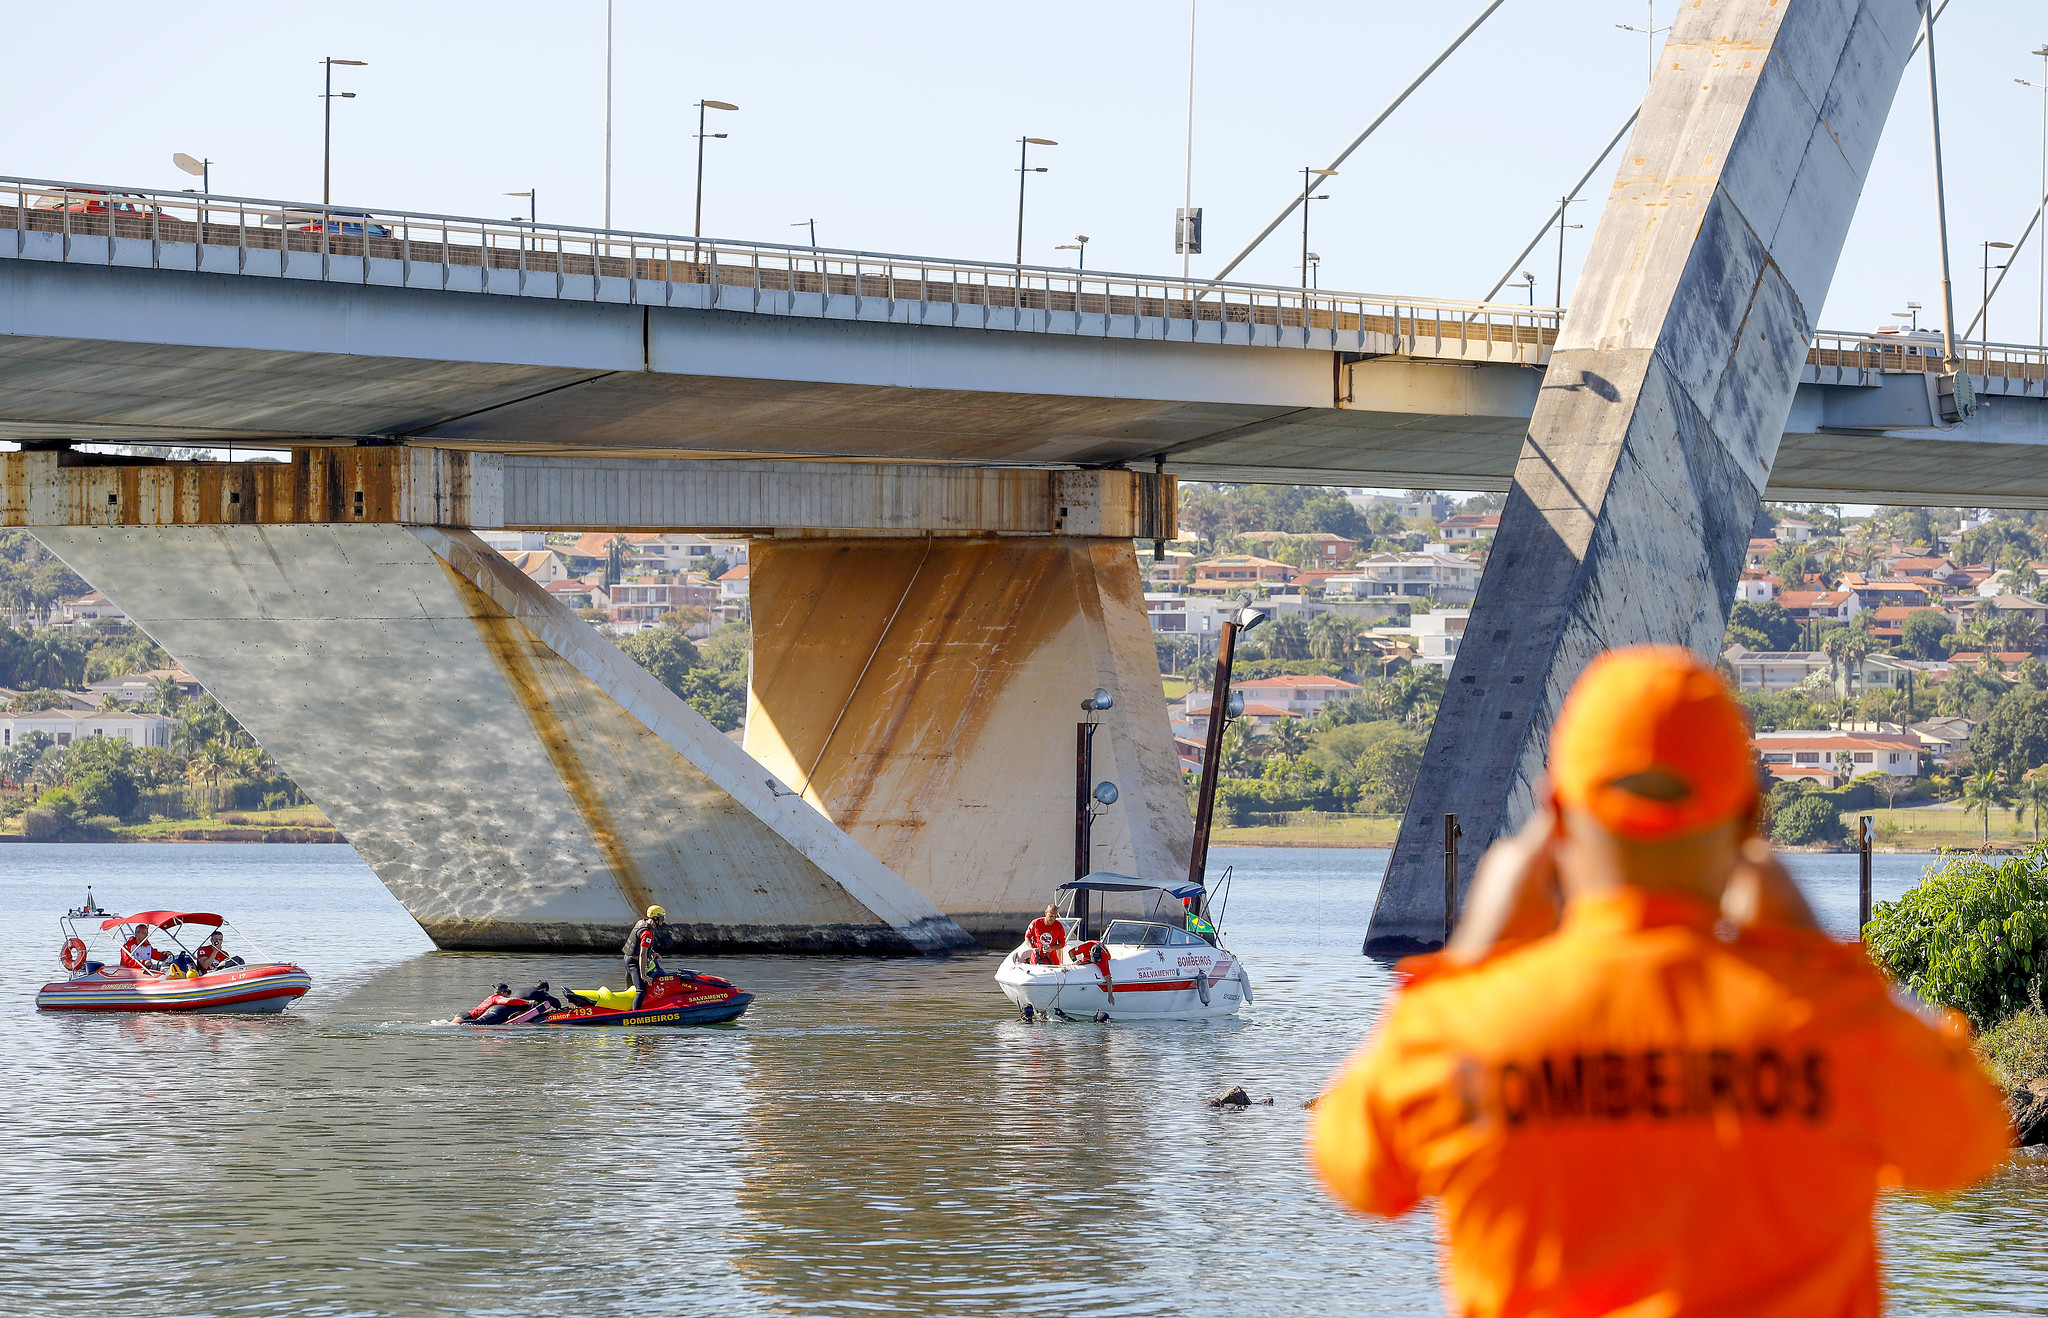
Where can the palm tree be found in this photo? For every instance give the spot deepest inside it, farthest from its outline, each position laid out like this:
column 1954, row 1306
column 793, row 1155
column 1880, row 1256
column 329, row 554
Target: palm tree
column 2032, row 796
column 1983, row 793
column 209, row 765
column 167, row 694
column 1289, row 738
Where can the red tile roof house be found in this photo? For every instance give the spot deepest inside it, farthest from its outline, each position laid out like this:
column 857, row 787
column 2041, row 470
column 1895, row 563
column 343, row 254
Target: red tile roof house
column 1759, row 550
column 1469, row 526
column 2007, row 659
column 1820, row 604
column 1814, row 755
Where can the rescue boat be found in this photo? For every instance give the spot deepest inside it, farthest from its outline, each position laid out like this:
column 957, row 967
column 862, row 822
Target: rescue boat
column 676, row 998
column 167, row 980
column 1168, row 967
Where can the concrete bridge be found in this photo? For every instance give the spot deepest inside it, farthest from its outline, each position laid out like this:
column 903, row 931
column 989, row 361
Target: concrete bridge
column 945, row 464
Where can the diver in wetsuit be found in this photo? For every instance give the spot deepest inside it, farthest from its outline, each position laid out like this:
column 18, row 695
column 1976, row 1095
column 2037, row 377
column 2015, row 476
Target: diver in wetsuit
column 641, row 954
column 539, row 996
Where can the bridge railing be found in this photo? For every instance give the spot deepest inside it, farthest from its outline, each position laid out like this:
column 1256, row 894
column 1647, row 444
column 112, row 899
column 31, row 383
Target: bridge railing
column 2015, row 362
column 592, row 264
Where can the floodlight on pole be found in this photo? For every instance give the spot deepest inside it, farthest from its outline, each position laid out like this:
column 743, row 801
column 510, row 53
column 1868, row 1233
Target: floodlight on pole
column 532, row 204
column 1308, row 176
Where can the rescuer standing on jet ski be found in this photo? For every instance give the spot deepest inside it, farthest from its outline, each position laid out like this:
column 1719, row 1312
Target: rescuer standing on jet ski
column 641, row 952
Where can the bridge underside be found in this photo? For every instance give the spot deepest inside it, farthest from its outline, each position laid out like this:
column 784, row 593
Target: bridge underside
column 151, row 356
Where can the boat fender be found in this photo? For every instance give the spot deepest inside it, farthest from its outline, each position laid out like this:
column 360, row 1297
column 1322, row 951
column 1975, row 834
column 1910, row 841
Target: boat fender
column 73, row 953
column 1202, row 986
column 1244, row 981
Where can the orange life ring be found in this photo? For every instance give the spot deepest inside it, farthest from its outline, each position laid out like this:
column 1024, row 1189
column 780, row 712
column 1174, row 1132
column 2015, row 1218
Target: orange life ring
column 73, row 953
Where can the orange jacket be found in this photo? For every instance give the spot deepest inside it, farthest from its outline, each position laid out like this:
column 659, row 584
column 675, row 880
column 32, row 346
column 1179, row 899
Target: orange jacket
column 1632, row 1116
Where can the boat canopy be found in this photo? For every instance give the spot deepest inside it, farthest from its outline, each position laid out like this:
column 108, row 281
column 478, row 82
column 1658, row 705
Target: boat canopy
column 1104, row 881
column 165, row 919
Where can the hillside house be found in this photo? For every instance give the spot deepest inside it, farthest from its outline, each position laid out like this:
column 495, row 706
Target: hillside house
column 1821, row 605
column 1817, row 755
column 1235, row 572
column 1468, row 527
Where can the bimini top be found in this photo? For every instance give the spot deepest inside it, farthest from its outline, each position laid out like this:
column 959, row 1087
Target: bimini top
column 1103, row 881
column 164, row 919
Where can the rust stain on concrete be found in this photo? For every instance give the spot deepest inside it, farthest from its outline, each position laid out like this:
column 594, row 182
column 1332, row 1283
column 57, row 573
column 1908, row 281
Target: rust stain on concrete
column 511, row 647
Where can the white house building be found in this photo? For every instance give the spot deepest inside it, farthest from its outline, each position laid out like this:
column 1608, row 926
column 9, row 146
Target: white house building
column 1818, row 755
column 65, row 726
column 1434, row 635
column 1445, row 577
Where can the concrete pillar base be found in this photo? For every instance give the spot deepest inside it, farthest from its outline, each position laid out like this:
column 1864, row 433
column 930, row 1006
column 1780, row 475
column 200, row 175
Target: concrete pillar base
column 512, row 778
column 923, row 695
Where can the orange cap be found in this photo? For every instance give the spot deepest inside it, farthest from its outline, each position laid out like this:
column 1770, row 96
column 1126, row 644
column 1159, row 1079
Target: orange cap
column 1652, row 745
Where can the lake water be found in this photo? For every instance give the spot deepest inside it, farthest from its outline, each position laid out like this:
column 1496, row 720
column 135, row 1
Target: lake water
column 873, row 1137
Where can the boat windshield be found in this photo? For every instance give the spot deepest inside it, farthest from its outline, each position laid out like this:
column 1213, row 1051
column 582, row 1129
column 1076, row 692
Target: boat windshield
column 1139, row 933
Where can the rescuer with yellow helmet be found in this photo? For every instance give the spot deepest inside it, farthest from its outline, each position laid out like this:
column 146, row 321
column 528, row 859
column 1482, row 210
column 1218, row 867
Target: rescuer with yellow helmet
column 642, row 952
column 1640, row 1079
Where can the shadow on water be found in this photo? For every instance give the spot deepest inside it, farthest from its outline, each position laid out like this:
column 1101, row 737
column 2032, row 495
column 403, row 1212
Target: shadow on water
column 873, row 1136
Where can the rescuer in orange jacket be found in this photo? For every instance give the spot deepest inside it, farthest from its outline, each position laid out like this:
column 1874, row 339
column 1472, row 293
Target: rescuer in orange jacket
column 1675, row 1095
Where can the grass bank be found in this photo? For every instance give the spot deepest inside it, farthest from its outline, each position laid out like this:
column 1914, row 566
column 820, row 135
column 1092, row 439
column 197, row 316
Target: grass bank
column 1306, row 829
column 1934, row 827
column 293, row 824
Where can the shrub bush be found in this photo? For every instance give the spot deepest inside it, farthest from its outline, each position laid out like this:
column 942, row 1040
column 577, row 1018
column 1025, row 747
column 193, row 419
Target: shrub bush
column 1807, row 820
column 2016, row 1049
column 1971, row 934
column 39, row 823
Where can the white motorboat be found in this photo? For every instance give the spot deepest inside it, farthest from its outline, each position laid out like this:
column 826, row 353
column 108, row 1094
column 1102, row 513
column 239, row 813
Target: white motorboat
column 1151, row 968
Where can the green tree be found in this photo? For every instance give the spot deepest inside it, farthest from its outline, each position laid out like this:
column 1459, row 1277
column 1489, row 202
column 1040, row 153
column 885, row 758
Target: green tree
column 664, row 652
column 1982, row 793
column 720, row 698
column 1971, row 934
column 1924, row 633
column 2014, row 736
column 1388, row 768
column 1779, row 629
column 1808, row 819
column 1289, row 737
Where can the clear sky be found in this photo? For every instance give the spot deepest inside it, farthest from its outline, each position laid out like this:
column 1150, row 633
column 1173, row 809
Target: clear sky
column 894, row 124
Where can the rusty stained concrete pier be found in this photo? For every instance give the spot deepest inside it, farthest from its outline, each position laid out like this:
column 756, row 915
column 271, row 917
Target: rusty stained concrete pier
column 920, row 693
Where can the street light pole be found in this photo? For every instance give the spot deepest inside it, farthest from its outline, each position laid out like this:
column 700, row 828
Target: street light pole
column 1984, row 312
column 1307, row 175
column 697, row 224
column 532, row 204
column 1024, row 145
column 1561, row 227
column 327, row 128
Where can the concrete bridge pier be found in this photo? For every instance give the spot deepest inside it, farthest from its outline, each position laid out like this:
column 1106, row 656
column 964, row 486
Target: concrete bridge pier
column 512, row 778
column 923, row 693
column 1664, row 400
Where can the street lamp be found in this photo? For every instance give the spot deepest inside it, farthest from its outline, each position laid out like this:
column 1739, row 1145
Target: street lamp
column 697, row 225
column 327, row 131
column 1024, row 145
column 1913, row 311
column 1310, row 263
column 1984, row 307
column 1080, row 244
column 1561, row 227
column 1307, row 183
column 1529, row 279
column 2041, row 279
column 203, row 169
column 1650, row 30
column 532, row 205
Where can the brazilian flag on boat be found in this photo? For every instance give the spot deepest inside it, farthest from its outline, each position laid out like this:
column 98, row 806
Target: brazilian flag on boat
column 1198, row 925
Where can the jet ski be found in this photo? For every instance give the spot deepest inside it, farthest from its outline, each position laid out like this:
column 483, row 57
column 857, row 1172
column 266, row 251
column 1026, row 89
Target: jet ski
column 674, row 997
